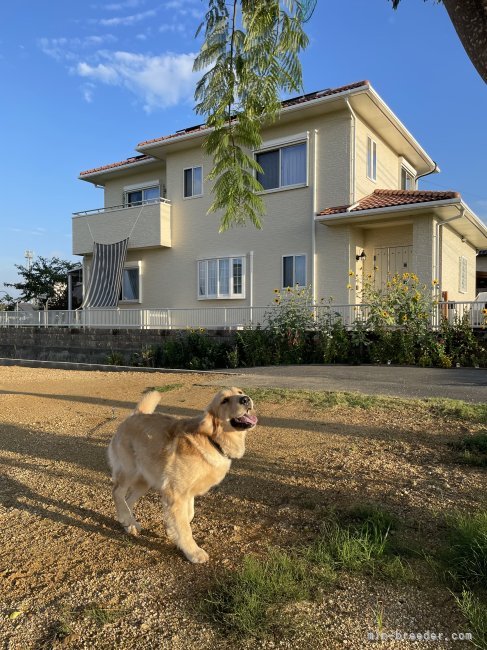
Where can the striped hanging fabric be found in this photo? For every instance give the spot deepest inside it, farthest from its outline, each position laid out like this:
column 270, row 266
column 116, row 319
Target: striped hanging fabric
column 106, row 274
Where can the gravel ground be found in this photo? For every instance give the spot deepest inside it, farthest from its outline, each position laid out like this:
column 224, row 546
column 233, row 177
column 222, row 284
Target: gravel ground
column 64, row 559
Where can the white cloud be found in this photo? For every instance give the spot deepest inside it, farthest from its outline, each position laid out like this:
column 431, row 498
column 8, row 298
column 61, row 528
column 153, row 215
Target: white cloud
column 157, row 81
column 126, row 20
column 65, row 48
column 101, row 72
column 88, row 92
column 117, row 6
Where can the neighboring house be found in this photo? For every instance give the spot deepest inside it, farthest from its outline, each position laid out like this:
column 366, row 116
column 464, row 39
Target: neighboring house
column 482, row 271
column 340, row 178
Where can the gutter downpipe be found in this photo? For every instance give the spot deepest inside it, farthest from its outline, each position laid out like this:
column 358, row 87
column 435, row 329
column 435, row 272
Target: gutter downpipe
column 251, row 284
column 435, row 170
column 313, row 213
column 352, row 152
column 438, row 261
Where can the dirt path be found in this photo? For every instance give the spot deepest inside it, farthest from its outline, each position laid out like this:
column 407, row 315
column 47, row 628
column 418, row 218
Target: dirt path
column 70, row 578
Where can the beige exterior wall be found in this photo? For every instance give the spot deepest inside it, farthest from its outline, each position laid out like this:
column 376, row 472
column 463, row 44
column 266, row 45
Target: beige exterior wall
column 452, row 248
column 169, row 276
column 387, row 162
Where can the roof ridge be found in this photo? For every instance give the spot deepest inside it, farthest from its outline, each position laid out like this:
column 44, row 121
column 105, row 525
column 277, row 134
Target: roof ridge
column 292, row 101
column 412, row 193
column 127, row 161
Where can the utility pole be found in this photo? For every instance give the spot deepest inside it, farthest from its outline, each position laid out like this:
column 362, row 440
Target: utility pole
column 29, row 255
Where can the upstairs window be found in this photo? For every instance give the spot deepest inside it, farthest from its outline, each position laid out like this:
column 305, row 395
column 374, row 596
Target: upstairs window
column 371, row 159
column 407, row 179
column 283, row 166
column 293, row 270
column 142, row 196
column 193, row 182
column 222, row 277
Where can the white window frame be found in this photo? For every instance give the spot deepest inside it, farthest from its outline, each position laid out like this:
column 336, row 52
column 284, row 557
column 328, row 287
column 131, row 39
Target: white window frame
column 193, row 195
column 278, row 145
column 218, row 296
column 462, row 274
column 140, row 187
column 371, row 159
column 294, row 255
column 127, row 266
column 408, row 168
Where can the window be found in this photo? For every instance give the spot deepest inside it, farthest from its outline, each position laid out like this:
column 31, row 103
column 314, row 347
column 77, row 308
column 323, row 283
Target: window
column 282, row 167
column 142, row 196
column 130, row 284
column 293, row 270
column 222, row 277
column 462, row 277
column 371, row 159
column 193, row 182
column 407, row 179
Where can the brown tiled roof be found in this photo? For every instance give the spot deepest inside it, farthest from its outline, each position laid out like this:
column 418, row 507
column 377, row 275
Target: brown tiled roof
column 128, row 161
column 391, row 198
column 301, row 99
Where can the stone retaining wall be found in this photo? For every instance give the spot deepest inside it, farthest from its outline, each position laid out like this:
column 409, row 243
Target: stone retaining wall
column 82, row 345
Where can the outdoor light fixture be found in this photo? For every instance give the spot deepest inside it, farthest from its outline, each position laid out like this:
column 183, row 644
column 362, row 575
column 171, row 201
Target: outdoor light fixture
column 361, row 257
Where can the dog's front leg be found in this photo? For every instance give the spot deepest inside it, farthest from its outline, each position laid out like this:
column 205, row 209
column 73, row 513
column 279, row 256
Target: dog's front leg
column 176, row 520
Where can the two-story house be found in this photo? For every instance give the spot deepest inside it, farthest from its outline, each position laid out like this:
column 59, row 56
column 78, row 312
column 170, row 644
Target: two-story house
column 340, row 180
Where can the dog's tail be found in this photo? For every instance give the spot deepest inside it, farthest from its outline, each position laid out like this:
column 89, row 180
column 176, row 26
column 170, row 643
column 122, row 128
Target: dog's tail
column 148, row 403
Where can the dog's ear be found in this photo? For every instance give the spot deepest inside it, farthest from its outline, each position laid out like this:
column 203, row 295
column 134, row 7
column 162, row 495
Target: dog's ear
column 209, row 425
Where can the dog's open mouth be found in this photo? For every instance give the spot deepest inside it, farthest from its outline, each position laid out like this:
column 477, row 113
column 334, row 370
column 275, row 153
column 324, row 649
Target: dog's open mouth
column 244, row 421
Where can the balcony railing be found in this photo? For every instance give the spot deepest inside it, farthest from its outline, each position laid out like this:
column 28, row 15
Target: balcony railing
column 471, row 313
column 146, row 223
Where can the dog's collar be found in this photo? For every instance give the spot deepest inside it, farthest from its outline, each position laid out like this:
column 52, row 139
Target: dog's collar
column 218, row 448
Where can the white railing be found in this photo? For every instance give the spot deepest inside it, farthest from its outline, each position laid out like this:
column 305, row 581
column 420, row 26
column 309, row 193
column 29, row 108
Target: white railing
column 111, row 208
column 220, row 317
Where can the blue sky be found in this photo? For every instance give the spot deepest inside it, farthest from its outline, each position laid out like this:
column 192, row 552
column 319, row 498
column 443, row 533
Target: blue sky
column 84, row 81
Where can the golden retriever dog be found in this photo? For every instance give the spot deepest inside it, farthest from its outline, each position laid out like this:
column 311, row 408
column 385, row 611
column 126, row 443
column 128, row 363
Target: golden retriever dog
column 179, row 457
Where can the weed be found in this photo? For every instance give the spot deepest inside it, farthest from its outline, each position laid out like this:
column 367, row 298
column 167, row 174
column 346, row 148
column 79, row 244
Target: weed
column 465, row 557
column 166, row 387
column 475, row 613
column 102, row 615
column 115, row 359
column 472, row 449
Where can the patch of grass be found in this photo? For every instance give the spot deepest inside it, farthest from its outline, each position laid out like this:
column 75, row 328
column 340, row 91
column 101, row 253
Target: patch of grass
column 102, row 615
column 472, row 449
column 244, row 602
column 165, row 388
column 475, row 613
column 365, row 513
column 444, row 408
column 465, row 557
column 248, row 602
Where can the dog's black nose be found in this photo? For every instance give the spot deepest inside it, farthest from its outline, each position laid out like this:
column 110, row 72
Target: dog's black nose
column 245, row 400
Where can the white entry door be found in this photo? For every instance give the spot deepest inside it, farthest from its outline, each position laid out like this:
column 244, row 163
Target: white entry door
column 389, row 260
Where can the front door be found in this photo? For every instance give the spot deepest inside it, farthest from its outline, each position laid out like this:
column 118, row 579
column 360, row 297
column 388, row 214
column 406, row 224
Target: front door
column 389, row 260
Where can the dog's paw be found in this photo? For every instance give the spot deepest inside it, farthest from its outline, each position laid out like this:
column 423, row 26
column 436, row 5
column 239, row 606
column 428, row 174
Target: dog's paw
column 133, row 529
column 198, row 557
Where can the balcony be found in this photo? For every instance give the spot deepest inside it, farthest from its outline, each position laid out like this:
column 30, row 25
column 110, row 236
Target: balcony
column 146, row 223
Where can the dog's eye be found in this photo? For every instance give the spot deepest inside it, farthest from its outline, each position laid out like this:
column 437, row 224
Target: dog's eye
column 225, row 400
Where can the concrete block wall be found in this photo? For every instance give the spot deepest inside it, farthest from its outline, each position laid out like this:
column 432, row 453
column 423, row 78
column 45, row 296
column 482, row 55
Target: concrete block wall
column 83, row 345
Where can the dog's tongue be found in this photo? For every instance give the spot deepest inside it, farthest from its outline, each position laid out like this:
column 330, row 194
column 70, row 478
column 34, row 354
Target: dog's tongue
column 248, row 419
